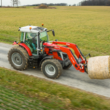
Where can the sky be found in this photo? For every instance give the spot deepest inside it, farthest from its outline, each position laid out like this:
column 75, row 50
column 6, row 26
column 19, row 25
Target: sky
column 29, row 2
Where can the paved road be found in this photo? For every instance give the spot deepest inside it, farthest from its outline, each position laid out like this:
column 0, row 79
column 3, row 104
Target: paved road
column 69, row 77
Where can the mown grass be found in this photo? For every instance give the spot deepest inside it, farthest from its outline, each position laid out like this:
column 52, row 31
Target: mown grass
column 52, row 95
column 12, row 100
column 88, row 27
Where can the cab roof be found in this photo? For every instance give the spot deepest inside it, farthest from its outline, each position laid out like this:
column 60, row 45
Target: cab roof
column 32, row 29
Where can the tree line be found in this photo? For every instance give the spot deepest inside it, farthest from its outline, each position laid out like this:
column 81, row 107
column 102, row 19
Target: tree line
column 95, row 3
column 50, row 4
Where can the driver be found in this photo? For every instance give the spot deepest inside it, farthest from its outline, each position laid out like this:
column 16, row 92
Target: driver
column 32, row 38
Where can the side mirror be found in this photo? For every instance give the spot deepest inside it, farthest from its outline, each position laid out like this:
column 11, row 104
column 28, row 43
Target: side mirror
column 53, row 32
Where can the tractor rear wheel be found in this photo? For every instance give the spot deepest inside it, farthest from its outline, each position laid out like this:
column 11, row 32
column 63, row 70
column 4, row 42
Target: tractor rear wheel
column 67, row 67
column 51, row 68
column 18, row 58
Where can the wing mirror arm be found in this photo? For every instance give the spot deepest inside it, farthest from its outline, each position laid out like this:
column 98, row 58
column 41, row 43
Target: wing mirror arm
column 53, row 32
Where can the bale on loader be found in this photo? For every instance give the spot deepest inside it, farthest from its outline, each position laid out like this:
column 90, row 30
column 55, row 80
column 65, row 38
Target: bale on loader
column 99, row 67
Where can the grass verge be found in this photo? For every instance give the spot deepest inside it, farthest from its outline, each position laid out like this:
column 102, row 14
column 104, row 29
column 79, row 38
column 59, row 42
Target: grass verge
column 52, row 95
column 12, row 100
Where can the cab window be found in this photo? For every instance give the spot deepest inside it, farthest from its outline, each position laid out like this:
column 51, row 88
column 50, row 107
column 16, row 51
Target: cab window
column 22, row 36
column 44, row 36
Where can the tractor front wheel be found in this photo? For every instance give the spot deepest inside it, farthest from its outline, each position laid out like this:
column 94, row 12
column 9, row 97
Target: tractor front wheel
column 51, row 68
column 18, row 58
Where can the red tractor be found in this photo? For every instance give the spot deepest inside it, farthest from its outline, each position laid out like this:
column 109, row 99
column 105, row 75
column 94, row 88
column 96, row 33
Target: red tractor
column 35, row 50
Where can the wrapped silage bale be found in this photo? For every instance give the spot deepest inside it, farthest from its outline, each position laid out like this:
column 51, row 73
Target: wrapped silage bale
column 99, row 67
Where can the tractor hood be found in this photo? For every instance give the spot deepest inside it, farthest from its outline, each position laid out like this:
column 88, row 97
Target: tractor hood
column 50, row 45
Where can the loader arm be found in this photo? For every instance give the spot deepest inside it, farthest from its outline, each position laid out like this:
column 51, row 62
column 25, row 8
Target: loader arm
column 74, row 58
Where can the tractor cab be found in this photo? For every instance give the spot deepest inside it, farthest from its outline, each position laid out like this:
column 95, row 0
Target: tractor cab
column 33, row 37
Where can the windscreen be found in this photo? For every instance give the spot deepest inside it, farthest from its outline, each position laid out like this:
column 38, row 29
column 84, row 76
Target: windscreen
column 44, row 36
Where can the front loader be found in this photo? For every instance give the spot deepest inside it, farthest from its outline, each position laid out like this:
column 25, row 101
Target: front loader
column 34, row 50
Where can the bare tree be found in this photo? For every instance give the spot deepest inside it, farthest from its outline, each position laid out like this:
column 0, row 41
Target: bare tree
column 15, row 2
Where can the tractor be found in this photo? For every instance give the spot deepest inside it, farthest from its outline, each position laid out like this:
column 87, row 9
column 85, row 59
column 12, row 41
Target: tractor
column 34, row 50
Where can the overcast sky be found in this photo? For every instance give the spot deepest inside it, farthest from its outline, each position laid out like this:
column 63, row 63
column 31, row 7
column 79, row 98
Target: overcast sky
column 29, row 2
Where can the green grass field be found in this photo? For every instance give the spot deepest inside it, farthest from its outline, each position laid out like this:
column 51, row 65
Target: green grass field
column 19, row 90
column 88, row 27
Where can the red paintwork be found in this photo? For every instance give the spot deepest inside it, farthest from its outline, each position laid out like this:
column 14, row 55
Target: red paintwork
column 24, row 46
column 27, row 48
column 49, row 46
column 14, row 43
column 55, row 55
column 54, row 45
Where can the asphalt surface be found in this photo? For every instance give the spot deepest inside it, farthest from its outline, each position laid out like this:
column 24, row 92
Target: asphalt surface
column 69, row 77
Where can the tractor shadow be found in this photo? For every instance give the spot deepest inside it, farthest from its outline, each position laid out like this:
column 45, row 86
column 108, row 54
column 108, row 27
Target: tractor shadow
column 72, row 74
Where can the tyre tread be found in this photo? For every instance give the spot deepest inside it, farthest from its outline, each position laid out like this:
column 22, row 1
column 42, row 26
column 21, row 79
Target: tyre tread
column 25, row 54
column 57, row 63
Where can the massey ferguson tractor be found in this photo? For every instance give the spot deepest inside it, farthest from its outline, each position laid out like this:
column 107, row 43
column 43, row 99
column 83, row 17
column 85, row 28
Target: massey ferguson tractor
column 35, row 50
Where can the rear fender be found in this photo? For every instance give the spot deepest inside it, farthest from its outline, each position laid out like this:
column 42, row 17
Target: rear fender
column 27, row 48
